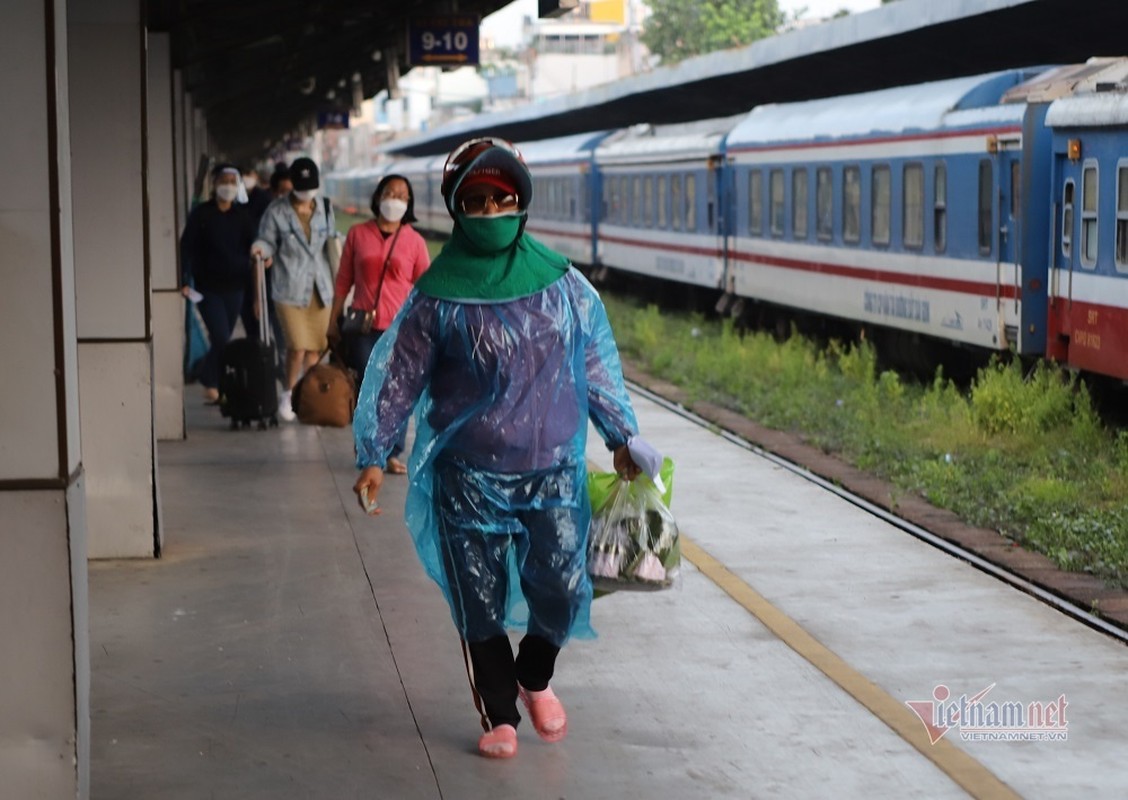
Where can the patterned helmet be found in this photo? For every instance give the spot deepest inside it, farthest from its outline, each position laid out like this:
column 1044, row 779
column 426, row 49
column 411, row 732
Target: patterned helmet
column 496, row 158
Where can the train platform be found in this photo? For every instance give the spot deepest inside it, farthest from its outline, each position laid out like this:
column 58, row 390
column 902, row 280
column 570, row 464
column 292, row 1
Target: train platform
column 288, row 646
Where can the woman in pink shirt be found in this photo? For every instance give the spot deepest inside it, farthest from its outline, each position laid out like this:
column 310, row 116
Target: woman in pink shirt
column 380, row 262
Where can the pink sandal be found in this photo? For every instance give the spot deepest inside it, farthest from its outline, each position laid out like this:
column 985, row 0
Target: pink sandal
column 499, row 742
column 549, row 719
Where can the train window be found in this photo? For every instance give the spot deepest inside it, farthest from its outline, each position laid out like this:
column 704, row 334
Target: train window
column 636, row 201
column 1089, row 179
column 756, row 202
column 605, row 211
column 662, row 201
column 711, row 200
column 776, row 212
column 648, row 201
column 851, row 204
column 824, row 203
column 940, row 209
column 986, row 184
column 913, row 210
column 570, row 190
column 624, row 201
column 799, row 186
column 1067, row 219
column 881, row 205
column 1122, row 217
column 585, row 202
column 690, row 203
column 675, row 202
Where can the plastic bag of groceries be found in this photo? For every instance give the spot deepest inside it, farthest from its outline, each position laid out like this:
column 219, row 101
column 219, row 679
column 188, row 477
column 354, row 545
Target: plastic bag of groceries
column 633, row 543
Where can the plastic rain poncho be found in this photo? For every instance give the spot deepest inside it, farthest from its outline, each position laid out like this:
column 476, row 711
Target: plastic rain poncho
column 502, row 392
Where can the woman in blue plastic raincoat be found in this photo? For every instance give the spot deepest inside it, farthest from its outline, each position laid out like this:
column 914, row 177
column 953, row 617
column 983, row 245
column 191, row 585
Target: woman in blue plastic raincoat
column 504, row 351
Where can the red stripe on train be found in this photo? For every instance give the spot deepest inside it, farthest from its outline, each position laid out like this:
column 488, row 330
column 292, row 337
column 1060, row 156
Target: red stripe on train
column 980, row 288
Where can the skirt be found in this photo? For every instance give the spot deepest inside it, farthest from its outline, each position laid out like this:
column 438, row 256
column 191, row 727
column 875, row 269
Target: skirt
column 304, row 328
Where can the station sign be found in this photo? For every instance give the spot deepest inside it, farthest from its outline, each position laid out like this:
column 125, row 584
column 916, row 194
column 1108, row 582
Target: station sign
column 443, row 40
column 332, row 120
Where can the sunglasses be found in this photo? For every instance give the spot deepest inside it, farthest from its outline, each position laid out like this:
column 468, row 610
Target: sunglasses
column 479, row 203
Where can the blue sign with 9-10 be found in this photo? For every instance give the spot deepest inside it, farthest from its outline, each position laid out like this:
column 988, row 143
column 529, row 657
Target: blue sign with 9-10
column 443, row 40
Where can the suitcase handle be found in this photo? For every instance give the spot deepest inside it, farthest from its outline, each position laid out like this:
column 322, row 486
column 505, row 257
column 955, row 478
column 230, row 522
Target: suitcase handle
column 262, row 309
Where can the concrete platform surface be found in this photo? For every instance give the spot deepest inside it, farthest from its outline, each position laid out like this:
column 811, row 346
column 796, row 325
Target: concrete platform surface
column 288, row 646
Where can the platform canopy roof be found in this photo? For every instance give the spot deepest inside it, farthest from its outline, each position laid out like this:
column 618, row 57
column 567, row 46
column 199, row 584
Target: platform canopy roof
column 901, row 43
column 261, row 69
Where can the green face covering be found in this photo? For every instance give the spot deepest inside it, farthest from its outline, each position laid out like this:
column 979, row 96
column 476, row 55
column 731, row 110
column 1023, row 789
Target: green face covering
column 491, row 234
column 491, row 260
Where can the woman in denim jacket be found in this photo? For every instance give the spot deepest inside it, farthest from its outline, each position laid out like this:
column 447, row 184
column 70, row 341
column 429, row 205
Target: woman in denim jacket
column 291, row 239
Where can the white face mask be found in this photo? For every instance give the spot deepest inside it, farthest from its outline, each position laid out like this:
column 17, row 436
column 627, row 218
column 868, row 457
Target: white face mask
column 226, row 192
column 305, row 195
column 250, row 181
column 392, row 209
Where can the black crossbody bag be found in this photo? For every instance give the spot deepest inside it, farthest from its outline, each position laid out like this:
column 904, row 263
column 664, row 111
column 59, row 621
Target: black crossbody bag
column 358, row 322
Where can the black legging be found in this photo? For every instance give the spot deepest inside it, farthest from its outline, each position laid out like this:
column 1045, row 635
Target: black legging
column 497, row 673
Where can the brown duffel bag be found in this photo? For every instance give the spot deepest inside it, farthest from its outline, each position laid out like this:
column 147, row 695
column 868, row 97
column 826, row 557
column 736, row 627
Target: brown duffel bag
column 326, row 395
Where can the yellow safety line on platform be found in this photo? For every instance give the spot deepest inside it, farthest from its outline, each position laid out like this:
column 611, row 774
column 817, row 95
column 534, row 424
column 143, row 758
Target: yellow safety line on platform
column 972, row 776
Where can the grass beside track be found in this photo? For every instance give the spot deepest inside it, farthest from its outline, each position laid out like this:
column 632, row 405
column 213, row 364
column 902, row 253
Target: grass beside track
column 1025, row 455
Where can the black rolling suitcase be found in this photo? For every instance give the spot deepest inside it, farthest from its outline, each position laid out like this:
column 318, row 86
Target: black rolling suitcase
column 247, row 392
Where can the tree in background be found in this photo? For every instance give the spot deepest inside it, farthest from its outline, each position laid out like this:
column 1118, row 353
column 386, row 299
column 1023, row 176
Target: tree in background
column 679, row 29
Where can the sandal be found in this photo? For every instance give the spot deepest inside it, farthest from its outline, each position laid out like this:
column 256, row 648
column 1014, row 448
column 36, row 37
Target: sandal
column 395, row 467
column 499, row 742
column 547, row 713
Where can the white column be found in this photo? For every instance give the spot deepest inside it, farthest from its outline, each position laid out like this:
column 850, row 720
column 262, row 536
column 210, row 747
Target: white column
column 115, row 344
column 44, row 641
column 178, row 145
column 168, row 303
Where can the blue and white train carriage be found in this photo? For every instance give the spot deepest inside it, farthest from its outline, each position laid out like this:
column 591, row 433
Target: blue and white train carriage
column 424, row 173
column 565, row 188
column 900, row 208
column 660, row 211
column 1089, row 248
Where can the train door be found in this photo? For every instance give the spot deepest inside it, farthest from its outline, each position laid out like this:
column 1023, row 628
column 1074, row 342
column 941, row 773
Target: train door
column 1008, row 239
column 1061, row 259
column 717, row 213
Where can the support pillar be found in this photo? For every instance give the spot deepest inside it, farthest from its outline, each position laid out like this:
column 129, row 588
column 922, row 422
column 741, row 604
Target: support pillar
column 108, row 107
column 44, row 640
column 168, row 303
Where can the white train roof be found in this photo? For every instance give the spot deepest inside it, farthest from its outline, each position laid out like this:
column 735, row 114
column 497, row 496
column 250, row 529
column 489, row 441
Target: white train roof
column 645, row 143
column 955, row 103
column 1099, row 100
column 563, row 148
column 418, row 164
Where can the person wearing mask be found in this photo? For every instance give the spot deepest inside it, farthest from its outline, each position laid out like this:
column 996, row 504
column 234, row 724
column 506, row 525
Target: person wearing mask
column 504, row 351
column 380, row 262
column 214, row 261
column 258, row 197
column 292, row 241
column 280, row 184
